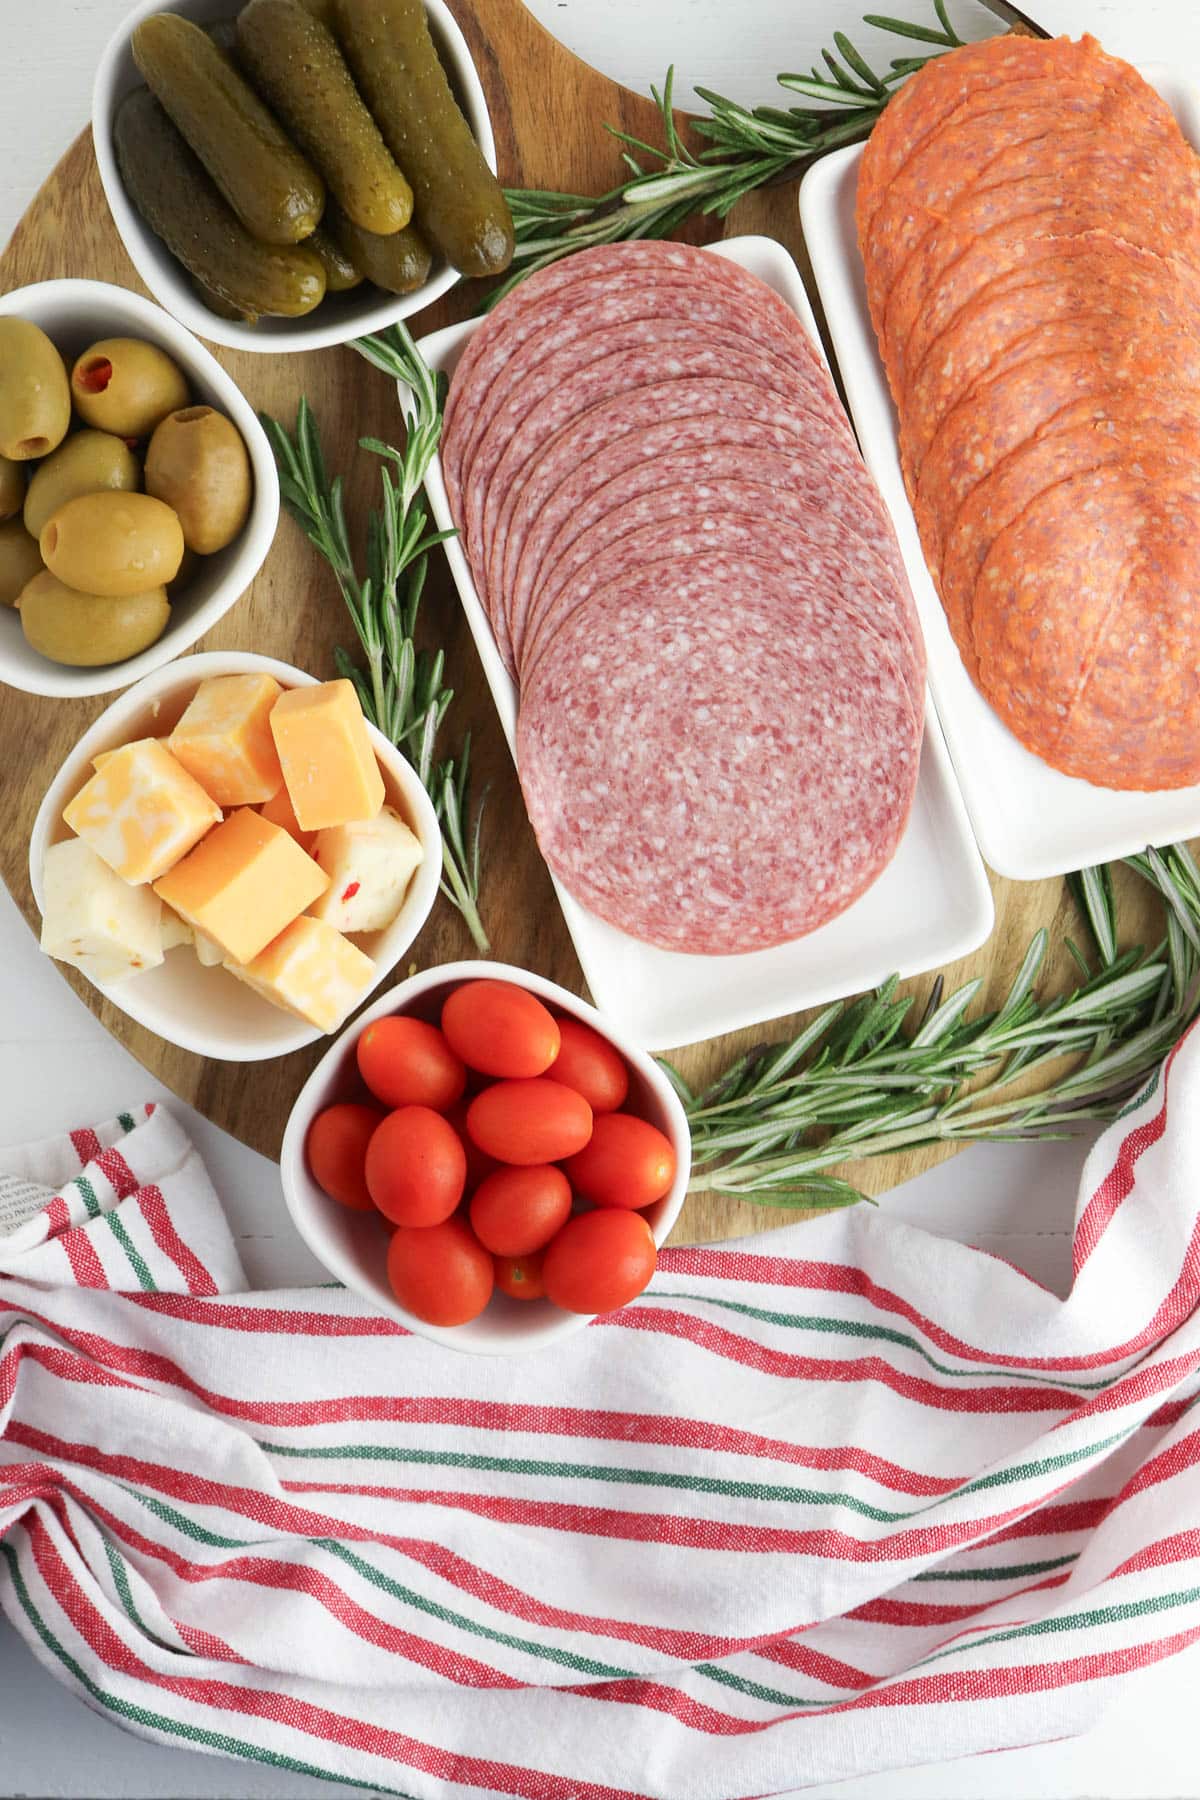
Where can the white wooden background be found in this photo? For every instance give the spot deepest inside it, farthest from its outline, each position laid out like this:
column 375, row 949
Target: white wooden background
column 58, row 1068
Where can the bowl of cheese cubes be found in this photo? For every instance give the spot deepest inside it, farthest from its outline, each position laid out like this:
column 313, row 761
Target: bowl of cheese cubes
column 234, row 856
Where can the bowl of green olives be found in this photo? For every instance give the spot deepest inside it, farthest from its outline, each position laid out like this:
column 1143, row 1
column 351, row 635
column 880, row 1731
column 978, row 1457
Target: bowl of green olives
column 292, row 174
column 138, row 492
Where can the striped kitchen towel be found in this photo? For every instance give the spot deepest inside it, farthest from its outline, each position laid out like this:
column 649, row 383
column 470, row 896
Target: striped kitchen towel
column 835, row 1499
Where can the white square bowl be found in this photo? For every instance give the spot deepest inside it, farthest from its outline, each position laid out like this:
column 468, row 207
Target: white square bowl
column 1030, row 820
column 76, row 314
column 353, row 1245
column 208, row 1010
column 340, row 317
column 931, row 905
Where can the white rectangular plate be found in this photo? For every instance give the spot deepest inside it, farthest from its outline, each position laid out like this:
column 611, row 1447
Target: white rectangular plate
column 930, row 905
column 1030, row 820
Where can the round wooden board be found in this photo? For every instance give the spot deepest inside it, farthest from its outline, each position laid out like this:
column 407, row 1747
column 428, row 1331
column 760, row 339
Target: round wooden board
column 548, row 110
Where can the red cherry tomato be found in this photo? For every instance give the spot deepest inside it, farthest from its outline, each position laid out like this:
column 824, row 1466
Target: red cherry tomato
column 336, row 1147
column 518, row 1210
column 416, row 1167
column 599, row 1260
column 626, row 1162
column 406, row 1062
column 520, row 1277
column 500, row 1029
column 527, row 1122
column 589, row 1064
column 442, row 1273
column 479, row 1164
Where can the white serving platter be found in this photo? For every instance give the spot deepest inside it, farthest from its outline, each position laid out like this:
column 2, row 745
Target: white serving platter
column 931, row 905
column 1030, row 821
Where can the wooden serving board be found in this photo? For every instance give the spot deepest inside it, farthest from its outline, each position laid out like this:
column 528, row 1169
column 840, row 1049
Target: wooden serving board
column 547, row 109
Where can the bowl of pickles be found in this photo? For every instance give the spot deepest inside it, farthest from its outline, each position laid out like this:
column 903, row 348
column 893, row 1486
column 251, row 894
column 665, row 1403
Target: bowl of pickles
column 294, row 174
column 138, row 493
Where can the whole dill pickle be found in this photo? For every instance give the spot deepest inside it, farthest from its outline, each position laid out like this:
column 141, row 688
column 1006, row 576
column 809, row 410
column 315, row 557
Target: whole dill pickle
column 276, row 194
column 297, row 68
column 341, row 273
column 172, row 192
column 399, row 262
column 459, row 204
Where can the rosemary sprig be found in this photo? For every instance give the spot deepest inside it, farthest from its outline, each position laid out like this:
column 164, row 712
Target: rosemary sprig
column 402, row 687
column 747, row 147
column 852, row 1085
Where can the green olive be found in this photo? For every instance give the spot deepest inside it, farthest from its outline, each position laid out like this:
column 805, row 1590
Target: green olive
column 20, row 560
column 87, row 630
column 12, row 487
column 113, row 544
column 126, row 386
column 35, row 399
column 86, row 463
column 198, row 464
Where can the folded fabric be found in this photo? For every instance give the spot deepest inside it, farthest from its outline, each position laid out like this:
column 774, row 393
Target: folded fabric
column 835, row 1499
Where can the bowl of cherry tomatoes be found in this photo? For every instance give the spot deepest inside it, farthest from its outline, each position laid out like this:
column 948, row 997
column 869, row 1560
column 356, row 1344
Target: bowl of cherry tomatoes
column 486, row 1158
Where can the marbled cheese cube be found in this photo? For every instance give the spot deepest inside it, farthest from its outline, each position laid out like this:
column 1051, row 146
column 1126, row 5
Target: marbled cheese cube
column 141, row 812
column 325, row 750
column 242, row 885
column 94, row 920
column 224, row 739
column 369, row 865
column 310, row 970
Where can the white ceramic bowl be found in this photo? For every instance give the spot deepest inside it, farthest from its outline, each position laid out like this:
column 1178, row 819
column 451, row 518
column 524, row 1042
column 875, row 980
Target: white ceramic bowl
column 75, row 314
column 207, row 1010
column 353, row 1245
column 338, row 318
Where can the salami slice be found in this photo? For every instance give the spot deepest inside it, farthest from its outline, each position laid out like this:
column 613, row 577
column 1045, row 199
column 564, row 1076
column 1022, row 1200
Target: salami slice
column 711, row 767
column 637, row 263
column 724, row 477
column 662, row 352
column 677, row 524
column 1108, row 687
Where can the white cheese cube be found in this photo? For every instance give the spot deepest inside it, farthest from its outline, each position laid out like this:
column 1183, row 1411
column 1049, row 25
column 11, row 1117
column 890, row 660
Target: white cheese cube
column 208, row 954
column 369, row 864
column 175, row 931
column 94, row 920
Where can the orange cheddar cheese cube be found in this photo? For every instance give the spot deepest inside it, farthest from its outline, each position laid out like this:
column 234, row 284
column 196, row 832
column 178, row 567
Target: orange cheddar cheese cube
column 281, row 812
column 328, row 763
column 141, row 811
column 224, row 739
column 242, row 885
column 310, row 970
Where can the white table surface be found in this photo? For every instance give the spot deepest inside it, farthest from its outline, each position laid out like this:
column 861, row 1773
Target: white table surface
column 58, row 1068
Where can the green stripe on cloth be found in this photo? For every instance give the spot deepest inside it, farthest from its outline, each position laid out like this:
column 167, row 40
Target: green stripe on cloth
column 1086, row 1621
column 137, row 1262
column 127, row 1121
column 567, row 1659
column 203, row 1735
column 87, row 1194
column 883, row 1334
column 120, row 1575
column 1006, row 1571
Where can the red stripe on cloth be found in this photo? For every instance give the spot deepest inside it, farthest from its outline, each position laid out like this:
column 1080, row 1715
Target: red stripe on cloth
column 225, row 1315
column 1118, row 1184
column 298, row 1578
column 117, row 1173
column 778, row 1271
column 486, row 1415
column 86, row 1268
column 279, row 1515
column 316, row 1722
column 1055, row 1521
column 920, row 1614
column 790, row 1653
column 203, row 1643
column 720, row 1341
column 154, row 1210
column 86, row 1144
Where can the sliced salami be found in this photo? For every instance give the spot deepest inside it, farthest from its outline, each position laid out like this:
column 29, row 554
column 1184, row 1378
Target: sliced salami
column 672, row 525
column 710, row 766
